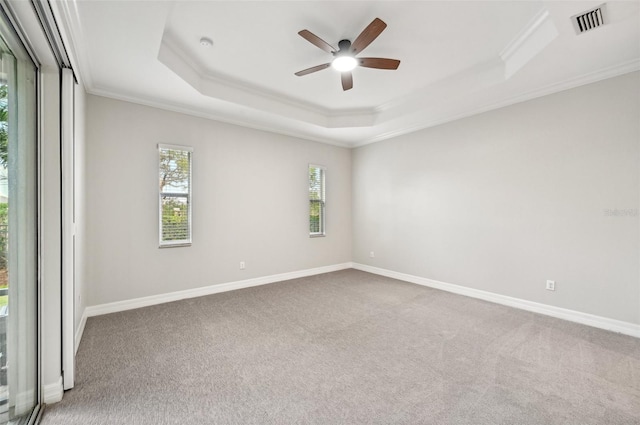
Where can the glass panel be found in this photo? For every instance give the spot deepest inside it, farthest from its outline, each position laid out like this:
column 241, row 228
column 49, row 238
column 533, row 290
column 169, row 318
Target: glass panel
column 174, row 171
column 175, row 218
column 314, row 216
column 18, row 233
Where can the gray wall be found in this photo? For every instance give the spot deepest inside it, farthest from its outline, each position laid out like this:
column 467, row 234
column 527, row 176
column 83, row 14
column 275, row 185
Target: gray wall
column 250, row 203
column 505, row 200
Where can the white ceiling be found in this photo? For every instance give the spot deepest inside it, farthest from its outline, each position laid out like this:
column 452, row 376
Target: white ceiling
column 458, row 59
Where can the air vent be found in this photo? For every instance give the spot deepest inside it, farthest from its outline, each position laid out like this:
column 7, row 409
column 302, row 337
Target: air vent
column 590, row 19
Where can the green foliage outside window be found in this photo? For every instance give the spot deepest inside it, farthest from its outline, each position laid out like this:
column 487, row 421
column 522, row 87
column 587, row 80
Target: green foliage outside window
column 175, row 220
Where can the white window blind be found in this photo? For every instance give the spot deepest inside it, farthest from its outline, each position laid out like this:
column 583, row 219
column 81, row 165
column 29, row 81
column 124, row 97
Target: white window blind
column 316, row 200
column 175, row 195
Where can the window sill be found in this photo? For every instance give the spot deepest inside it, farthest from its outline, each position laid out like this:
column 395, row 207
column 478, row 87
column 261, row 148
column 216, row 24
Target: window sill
column 317, row 235
column 175, row 245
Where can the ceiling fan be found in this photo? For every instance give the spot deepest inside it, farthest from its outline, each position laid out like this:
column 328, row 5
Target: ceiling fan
column 344, row 57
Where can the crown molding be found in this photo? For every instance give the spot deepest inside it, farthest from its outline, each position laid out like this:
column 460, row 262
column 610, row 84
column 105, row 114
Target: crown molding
column 512, row 47
column 224, row 118
column 530, row 41
column 268, row 111
column 589, row 78
column 70, row 27
column 220, row 86
column 570, row 83
column 402, row 129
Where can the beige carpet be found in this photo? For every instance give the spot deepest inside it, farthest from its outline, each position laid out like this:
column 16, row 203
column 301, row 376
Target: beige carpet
column 348, row 348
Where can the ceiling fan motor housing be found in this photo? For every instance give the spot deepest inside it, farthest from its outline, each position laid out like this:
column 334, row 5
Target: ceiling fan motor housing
column 344, row 48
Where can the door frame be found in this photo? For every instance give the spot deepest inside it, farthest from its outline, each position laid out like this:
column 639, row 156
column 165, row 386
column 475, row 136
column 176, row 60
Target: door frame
column 67, row 98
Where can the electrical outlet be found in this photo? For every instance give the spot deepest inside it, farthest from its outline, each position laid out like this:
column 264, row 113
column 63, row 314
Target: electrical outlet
column 551, row 285
column 372, row 254
column 242, row 265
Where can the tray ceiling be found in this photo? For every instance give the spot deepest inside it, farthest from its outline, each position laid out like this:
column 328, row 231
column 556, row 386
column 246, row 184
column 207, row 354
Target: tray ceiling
column 458, row 59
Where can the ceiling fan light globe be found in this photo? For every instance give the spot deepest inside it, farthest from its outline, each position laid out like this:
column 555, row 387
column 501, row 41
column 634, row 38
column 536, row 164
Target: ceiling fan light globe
column 344, row 63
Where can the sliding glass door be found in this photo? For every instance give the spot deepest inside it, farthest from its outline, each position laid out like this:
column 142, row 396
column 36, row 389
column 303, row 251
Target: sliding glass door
column 18, row 231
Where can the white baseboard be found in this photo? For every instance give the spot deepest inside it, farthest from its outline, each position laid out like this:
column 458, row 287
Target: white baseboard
column 52, row 393
column 80, row 330
column 117, row 306
column 619, row 326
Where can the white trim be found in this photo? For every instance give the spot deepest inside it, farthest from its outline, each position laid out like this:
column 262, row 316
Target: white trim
column 71, row 28
column 532, row 40
column 571, row 83
column 227, row 88
column 80, row 330
column 52, row 393
column 626, row 328
column 175, row 147
column 237, row 121
column 536, row 22
column 117, row 306
column 68, row 226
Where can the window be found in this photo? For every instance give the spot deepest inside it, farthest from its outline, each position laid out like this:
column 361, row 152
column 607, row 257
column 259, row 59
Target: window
column 316, row 200
column 175, row 195
column 19, row 235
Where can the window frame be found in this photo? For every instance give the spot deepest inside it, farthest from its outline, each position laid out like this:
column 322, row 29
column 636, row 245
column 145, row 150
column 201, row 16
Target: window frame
column 322, row 201
column 188, row 196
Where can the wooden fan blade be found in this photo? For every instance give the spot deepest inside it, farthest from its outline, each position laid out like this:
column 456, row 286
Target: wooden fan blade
column 317, row 41
column 369, row 34
column 313, row 69
column 379, row 63
column 347, row 81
